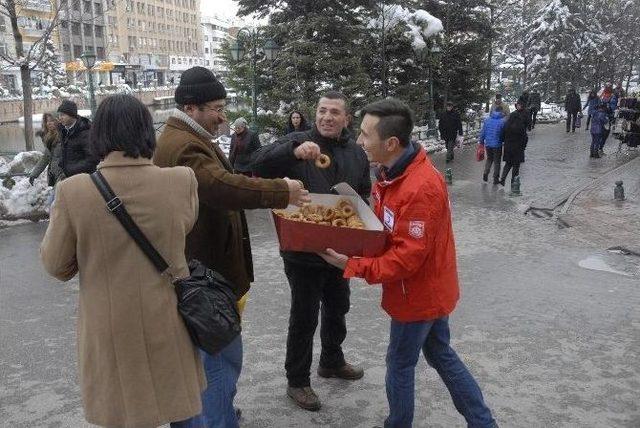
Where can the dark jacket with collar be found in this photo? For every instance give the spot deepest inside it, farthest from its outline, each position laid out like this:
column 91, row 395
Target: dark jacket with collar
column 242, row 147
column 220, row 238
column 349, row 164
column 450, row 125
column 77, row 156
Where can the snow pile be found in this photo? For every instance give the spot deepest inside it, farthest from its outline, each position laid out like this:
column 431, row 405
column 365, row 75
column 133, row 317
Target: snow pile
column 267, row 138
column 550, row 112
column 22, row 163
column 25, row 201
column 4, row 166
column 432, row 145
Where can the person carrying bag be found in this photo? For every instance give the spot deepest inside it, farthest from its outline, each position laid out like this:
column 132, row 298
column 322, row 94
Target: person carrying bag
column 206, row 300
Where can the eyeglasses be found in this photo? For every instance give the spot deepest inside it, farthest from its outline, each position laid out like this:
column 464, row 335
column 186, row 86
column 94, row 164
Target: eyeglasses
column 219, row 110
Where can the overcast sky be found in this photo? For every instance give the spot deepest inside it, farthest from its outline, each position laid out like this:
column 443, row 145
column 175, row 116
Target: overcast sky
column 227, row 8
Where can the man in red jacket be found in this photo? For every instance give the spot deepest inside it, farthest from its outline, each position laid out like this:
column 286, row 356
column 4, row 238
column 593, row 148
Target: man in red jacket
column 418, row 268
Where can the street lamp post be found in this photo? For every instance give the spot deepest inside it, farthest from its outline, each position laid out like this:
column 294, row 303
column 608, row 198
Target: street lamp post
column 248, row 41
column 89, row 60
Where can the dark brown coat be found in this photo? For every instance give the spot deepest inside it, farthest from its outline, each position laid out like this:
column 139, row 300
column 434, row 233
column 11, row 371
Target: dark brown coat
column 220, row 238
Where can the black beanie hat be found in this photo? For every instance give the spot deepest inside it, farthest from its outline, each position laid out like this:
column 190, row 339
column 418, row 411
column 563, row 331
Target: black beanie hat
column 199, row 85
column 69, row 107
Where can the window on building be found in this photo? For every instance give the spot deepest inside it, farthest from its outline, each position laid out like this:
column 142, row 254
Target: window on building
column 77, row 51
column 206, row 50
column 3, row 25
column 100, row 53
column 97, row 8
column 4, row 48
column 75, row 28
column 86, row 6
column 63, row 24
column 87, row 30
column 98, row 30
column 206, row 38
column 65, row 48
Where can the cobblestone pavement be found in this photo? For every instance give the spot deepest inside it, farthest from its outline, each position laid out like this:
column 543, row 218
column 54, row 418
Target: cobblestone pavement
column 551, row 336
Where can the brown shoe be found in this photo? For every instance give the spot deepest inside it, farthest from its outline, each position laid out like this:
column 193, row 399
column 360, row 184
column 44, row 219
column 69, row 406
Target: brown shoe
column 304, row 397
column 347, row 371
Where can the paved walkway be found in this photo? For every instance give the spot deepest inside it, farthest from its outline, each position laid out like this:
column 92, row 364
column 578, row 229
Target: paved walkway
column 552, row 343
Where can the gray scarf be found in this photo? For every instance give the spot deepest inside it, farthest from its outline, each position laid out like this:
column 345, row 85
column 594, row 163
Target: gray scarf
column 183, row 117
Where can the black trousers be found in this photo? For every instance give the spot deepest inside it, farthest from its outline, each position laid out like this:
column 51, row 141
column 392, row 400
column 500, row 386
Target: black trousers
column 588, row 121
column 450, row 144
column 508, row 166
column 571, row 120
column 314, row 290
column 494, row 156
column 534, row 116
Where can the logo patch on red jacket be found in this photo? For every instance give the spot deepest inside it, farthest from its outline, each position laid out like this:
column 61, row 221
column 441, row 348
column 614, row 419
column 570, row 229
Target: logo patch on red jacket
column 416, row 229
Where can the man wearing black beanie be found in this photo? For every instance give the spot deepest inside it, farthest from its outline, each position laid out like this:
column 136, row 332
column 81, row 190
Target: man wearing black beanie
column 77, row 155
column 220, row 238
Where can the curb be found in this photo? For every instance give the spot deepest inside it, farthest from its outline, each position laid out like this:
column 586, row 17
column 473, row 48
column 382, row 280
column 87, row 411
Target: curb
column 595, row 181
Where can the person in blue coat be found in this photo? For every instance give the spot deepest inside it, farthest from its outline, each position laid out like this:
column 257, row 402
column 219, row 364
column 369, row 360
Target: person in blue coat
column 591, row 105
column 599, row 124
column 491, row 137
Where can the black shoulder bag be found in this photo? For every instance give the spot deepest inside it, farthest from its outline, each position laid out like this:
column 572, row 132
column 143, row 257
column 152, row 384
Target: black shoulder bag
column 206, row 300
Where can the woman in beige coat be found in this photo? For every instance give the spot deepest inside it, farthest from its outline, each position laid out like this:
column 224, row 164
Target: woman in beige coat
column 138, row 366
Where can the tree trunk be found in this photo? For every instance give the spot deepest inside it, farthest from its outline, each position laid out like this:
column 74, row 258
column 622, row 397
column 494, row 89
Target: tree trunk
column 489, row 62
column 25, row 75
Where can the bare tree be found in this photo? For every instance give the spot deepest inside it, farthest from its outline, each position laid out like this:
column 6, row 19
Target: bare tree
column 26, row 61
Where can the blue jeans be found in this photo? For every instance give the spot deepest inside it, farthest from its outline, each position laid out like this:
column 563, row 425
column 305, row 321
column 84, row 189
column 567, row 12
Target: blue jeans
column 432, row 337
column 222, row 370
column 596, row 142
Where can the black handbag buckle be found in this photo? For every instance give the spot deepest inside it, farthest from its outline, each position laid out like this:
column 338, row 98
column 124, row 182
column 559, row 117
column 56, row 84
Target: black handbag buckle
column 114, row 204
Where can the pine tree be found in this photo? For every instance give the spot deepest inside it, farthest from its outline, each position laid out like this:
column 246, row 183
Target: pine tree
column 49, row 74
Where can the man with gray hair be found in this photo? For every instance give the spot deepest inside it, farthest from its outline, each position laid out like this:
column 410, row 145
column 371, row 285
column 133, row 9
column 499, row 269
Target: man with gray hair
column 244, row 143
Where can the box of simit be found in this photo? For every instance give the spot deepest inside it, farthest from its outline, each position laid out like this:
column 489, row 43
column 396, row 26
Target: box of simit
column 343, row 222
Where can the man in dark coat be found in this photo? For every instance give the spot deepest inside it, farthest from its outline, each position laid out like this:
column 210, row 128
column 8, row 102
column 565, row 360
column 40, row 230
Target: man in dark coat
column 220, row 237
column 313, row 281
column 515, row 142
column 244, row 143
column 450, row 127
column 572, row 105
column 534, row 107
column 77, row 156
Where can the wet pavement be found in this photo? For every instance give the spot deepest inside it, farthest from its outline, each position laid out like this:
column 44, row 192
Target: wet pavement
column 547, row 321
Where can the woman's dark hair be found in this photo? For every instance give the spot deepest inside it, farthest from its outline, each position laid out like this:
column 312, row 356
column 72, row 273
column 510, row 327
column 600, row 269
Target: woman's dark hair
column 396, row 119
column 303, row 122
column 43, row 129
column 123, row 123
column 593, row 94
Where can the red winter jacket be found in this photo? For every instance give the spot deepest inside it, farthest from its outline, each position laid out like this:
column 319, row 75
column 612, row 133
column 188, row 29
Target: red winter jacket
column 418, row 269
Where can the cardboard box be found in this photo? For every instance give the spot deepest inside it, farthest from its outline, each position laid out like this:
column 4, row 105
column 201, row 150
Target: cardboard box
column 310, row 237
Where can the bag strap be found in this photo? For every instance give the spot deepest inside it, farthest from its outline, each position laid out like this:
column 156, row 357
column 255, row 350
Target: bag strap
column 115, row 207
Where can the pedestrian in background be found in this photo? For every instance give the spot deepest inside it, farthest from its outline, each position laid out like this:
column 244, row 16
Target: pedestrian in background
column 599, row 123
column 52, row 155
column 244, row 142
column 572, row 106
column 137, row 364
column 491, row 138
column 296, row 123
column 591, row 105
column 498, row 102
column 450, row 127
column 534, row 107
column 417, row 269
column 515, row 143
column 77, row 154
column 220, row 238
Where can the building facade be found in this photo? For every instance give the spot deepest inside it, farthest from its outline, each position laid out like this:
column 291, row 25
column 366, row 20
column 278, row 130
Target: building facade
column 215, row 32
column 151, row 42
